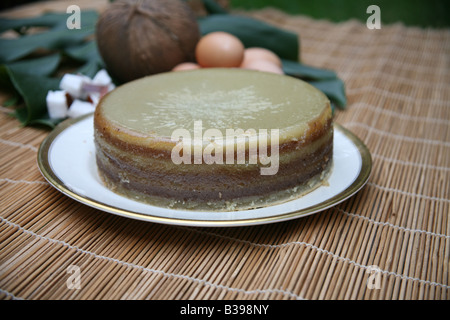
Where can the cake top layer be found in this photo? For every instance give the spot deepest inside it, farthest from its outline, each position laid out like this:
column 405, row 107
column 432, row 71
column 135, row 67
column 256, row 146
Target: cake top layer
column 219, row 98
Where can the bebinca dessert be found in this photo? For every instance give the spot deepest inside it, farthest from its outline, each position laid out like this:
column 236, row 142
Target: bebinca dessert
column 214, row 139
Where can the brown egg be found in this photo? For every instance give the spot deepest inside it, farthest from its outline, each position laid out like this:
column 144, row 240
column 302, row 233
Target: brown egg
column 219, row 50
column 186, row 66
column 251, row 54
column 263, row 65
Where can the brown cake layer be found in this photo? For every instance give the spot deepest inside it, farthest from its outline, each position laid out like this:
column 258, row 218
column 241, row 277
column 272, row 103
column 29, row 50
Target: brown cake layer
column 200, row 186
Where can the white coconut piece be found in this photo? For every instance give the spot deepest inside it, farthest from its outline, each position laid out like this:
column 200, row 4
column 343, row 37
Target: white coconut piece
column 95, row 98
column 79, row 108
column 90, row 88
column 73, row 84
column 111, row 87
column 57, row 104
column 102, row 78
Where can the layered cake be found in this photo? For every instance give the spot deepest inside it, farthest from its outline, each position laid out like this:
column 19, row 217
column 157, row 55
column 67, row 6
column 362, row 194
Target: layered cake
column 214, row 139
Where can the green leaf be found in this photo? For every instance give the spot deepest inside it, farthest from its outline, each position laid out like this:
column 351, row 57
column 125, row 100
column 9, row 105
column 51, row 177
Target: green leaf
column 44, row 20
column 39, row 66
column 5, row 82
column 44, row 66
column 55, row 38
column 45, row 121
column 51, row 20
column 33, row 89
column 325, row 80
column 31, row 79
column 84, row 52
column 334, row 89
column 21, row 114
column 89, row 69
column 11, row 101
column 212, row 7
column 88, row 53
column 13, row 49
column 305, row 72
column 254, row 33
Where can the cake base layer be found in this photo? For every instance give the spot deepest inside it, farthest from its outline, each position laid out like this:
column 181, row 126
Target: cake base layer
column 215, row 187
column 142, row 193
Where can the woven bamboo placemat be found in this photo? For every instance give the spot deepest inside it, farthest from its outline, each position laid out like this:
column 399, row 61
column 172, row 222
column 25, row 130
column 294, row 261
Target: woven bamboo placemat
column 389, row 241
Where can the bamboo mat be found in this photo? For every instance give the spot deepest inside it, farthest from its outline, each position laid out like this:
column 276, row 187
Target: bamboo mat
column 389, row 241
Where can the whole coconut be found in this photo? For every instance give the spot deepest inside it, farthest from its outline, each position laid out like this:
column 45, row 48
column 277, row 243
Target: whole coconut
column 137, row 38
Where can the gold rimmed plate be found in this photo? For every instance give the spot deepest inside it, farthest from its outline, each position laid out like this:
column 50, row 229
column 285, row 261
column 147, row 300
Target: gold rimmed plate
column 66, row 159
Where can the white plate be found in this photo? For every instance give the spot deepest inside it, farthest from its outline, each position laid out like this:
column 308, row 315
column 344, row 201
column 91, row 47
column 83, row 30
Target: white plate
column 66, row 159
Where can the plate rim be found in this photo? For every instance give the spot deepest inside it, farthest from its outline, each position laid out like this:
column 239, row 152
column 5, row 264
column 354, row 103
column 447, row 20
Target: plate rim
column 51, row 177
